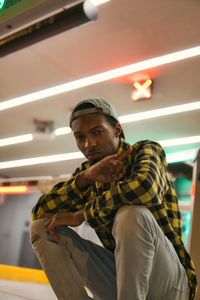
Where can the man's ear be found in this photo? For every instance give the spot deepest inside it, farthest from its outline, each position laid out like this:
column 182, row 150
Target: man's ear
column 118, row 129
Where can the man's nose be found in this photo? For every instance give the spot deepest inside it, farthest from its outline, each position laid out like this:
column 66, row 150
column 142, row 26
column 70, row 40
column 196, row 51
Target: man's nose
column 90, row 143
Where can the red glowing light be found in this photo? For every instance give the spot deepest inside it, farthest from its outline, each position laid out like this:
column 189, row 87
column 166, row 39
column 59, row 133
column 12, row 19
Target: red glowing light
column 142, row 90
column 21, row 189
column 193, row 189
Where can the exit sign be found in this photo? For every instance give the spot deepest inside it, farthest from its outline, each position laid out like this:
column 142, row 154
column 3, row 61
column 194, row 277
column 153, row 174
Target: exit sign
column 141, row 89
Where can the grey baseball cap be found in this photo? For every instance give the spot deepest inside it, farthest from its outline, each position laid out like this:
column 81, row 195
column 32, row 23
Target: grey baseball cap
column 93, row 106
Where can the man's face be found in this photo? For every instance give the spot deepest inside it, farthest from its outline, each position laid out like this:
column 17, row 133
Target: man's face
column 95, row 136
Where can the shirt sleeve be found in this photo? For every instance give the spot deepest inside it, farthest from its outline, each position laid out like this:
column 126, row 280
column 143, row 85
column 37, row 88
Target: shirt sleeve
column 146, row 185
column 64, row 196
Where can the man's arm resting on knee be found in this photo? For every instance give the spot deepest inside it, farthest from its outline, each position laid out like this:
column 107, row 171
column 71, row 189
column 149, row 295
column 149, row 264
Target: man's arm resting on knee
column 63, row 195
column 68, row 219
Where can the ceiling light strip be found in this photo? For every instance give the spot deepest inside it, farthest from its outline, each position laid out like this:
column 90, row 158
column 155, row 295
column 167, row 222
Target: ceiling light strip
column 180, row 141
column 181, row 156
column 62, row 130
column 23, row 179
column 172, row 157
column 16, row 139
column 33, row 178
column 118, row 72
column 98, row 2
column 40, row 160
column 160, row 112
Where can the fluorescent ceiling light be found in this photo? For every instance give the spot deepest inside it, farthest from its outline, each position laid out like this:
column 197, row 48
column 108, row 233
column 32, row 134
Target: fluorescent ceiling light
column 16, row 139
column 29, row 137
column 98, row 2
column 181, row 156
column 63, row 130
column 97, row 78
column 40, row 160
column 155, row 113
column 180, row 141
column 172, row 157
column 32, row 178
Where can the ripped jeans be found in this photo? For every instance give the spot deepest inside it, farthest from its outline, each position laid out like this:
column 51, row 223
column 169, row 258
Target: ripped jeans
column 144, row 265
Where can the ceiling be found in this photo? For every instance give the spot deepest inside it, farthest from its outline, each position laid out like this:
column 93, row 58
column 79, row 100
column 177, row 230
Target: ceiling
column 123, row 34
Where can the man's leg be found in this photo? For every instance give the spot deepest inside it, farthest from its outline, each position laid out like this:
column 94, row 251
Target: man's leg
column 73, row 263
column 147, row 265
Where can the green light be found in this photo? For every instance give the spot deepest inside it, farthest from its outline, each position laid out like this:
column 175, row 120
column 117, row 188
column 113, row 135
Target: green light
column 2, row 4
column 188, row 217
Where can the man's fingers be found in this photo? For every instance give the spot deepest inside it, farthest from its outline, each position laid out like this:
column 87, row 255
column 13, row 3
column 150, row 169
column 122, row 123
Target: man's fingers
column 51, row 224
column 47, row 223
column 116, row 177
column 118, row 168
column 54, row 234
column 124, row 154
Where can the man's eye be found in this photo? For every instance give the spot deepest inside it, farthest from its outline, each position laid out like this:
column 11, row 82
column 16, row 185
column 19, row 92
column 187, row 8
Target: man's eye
column 97, row 132
column 79, row 137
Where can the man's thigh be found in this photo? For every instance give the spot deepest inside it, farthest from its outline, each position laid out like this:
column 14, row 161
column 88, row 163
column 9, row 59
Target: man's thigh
column 168, row 277
column 150, row 257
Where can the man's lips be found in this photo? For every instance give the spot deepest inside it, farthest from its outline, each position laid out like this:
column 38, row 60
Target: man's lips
column 92, row 154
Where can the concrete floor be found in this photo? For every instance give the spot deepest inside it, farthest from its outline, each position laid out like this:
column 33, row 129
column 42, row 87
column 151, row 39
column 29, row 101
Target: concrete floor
column 13, row 290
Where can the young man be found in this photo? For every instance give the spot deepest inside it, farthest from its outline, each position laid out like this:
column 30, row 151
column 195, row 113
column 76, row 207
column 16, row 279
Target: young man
column 125, row 194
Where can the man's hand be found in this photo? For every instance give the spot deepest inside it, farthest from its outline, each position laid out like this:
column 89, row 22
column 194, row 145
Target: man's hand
column 106, row 170
column 69, row 219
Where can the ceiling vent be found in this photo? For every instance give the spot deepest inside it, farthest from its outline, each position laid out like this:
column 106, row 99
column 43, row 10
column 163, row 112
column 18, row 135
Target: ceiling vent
column 44, row 130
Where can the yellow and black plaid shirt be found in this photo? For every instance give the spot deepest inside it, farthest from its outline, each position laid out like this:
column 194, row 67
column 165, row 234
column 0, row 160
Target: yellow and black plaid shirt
column 145, row 181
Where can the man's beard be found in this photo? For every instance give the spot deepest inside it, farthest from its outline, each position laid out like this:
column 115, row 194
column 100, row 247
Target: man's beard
column 94, row 161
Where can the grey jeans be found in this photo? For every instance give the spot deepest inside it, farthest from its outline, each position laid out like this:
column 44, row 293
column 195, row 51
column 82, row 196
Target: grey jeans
column 144, row 265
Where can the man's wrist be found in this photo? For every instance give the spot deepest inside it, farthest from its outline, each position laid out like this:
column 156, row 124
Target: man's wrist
column 79, row 217
column 82, row 181
column 82, row 218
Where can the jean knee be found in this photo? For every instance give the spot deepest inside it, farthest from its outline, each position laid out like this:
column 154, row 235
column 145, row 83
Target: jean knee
column 37, row 229
column 130, row 218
